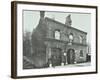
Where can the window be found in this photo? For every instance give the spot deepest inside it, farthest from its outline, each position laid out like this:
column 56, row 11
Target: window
column 71, row 37
column 57, row 34
column 80, row 39
column 81, row 53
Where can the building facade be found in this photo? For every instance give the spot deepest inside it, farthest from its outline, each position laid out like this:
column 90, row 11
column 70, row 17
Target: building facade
column 58, row 43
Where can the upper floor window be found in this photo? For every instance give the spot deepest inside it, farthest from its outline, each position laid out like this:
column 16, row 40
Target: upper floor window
column 80, row 39
column 71, row 37
column 57, row 34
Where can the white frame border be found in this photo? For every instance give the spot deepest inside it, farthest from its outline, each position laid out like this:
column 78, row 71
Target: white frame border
column 48, row 71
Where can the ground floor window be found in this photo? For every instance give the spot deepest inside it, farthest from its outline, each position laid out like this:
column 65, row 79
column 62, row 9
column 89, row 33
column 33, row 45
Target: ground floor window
column 81, row 53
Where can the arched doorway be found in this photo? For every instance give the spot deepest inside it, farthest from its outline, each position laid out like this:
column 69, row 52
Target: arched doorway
column 70, row 56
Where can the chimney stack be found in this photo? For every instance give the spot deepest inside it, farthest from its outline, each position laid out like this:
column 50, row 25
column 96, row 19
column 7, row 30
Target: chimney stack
column 68, row 21
column 42, row 14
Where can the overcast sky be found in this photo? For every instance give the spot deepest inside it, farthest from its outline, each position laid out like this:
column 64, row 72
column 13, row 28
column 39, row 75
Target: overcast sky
column 79, row 20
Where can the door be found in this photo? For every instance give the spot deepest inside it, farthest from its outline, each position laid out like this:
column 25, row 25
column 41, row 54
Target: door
column 70, row 56
column 56, row 56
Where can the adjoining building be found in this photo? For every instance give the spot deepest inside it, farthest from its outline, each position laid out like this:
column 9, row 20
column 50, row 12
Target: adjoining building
column 55, row 43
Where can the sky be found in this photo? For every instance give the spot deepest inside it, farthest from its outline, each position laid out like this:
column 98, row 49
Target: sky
column 81, row 21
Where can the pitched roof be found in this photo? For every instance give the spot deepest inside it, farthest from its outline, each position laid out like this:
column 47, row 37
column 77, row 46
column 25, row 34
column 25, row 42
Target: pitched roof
column 47, row 18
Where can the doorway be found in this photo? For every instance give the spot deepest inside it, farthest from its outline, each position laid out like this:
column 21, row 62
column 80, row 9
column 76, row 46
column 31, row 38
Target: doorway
column 56, row 56
column 70, row 56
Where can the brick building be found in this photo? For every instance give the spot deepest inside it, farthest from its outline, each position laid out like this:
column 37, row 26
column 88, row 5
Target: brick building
column 55, row 43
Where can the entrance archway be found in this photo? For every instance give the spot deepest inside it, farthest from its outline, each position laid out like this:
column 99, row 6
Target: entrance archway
column 70, row 56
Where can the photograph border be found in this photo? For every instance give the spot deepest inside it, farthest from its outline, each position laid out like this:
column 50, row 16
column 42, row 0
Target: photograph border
column 14, row 37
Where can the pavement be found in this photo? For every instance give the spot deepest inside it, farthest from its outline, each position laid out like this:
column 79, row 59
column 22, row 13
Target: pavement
column 75, row 65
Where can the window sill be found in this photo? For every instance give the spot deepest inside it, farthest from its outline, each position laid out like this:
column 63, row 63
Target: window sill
column 81, row 57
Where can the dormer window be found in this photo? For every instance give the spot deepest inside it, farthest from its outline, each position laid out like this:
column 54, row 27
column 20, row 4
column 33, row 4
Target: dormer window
column 57, row 34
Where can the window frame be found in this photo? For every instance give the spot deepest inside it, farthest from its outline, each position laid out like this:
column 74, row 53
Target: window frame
column 81, row 53
column 55, row 34
column 80, row 39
